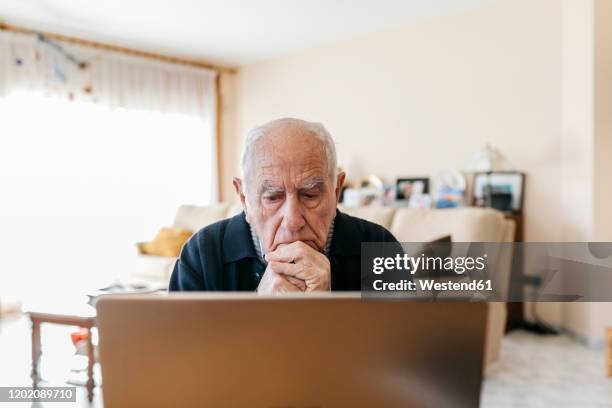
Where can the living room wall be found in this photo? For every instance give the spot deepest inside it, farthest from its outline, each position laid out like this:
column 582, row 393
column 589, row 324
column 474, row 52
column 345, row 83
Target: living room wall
column 518, row 74
column 420, row 99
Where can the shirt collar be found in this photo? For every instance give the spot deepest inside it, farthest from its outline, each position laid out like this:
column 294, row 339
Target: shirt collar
column 347, row 236
column 237, row 242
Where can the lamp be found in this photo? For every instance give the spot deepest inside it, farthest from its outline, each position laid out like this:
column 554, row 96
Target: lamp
column 489, row 159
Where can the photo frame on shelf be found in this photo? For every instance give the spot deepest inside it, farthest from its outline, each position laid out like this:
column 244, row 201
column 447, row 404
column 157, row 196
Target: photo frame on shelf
column 405, row 187
column 502, row 190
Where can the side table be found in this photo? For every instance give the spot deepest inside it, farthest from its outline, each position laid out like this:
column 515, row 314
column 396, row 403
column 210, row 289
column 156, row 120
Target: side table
column 82, row 320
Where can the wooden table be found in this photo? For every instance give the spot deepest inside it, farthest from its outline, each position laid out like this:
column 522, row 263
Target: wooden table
column 86, row 319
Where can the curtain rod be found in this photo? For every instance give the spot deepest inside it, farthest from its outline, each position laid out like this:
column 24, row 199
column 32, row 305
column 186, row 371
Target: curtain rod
column 116, row 48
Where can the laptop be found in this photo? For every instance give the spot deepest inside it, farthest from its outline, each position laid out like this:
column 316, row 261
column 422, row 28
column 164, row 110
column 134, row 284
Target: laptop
column 299, row 351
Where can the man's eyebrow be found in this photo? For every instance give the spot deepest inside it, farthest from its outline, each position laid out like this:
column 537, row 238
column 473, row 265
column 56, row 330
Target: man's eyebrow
column 315, row 182
column 269, row 187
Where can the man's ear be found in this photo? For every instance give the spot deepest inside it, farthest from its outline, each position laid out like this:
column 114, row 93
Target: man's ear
column 339, row 183
column 238, row 187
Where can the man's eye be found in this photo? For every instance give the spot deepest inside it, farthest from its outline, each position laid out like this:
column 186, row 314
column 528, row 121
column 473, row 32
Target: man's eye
column 273, row 198
column 310, row 196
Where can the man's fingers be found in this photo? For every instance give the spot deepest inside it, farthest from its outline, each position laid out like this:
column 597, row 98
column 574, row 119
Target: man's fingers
column 300, row 261
column 288, row 269
column 276, row 283
column 289, row 253
column 284, row 268
column 300, row 284
column 283, row 284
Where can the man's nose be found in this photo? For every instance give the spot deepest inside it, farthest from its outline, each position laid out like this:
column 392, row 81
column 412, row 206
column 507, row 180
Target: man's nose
column 293, row 219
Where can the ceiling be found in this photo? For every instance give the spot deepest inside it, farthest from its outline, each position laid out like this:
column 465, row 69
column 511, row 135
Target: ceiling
column 230, row 32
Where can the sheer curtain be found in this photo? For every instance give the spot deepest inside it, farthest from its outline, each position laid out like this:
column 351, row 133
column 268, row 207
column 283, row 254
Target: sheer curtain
column 111, row 79
column 94, row 160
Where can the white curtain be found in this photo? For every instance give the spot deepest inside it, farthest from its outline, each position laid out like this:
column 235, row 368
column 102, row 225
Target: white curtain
column 111, row 79
column 93, row 160
column 115, row 80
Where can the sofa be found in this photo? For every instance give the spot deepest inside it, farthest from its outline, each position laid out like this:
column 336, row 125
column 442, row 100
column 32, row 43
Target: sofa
column 468, row 224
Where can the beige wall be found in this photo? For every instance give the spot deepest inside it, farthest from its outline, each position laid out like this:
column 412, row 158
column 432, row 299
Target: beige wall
column 600, row 314
column 602, row 188
column 424, row 98
column 586, row 103
column 519, row 74
column 577, row 69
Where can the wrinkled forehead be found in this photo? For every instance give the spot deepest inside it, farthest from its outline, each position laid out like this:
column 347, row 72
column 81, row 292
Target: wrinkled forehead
column 288, row 158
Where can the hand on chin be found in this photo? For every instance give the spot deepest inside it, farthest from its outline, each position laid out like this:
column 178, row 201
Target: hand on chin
column 299, row 261
column 310, row 243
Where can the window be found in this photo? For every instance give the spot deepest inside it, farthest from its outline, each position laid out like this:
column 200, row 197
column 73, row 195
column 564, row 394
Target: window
column 81, row 184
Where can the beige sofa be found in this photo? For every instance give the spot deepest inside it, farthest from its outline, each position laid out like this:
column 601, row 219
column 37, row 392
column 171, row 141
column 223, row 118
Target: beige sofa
column 467, row 224
column 408, row 225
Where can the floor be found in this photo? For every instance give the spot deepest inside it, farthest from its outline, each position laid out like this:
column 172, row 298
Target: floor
column 547, row 371
column 533, row 371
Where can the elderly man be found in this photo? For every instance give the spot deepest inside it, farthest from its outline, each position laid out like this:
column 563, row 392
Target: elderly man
column 290, row 236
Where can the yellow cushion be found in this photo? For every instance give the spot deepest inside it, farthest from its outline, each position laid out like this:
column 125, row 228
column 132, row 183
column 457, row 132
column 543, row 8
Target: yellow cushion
column 168, row 242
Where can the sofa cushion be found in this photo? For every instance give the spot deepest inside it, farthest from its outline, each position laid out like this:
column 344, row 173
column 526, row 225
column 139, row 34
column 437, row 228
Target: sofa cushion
column 463, row 224
column 194, row 218
column 376, row 214
column 234, row 209
column 168, row 242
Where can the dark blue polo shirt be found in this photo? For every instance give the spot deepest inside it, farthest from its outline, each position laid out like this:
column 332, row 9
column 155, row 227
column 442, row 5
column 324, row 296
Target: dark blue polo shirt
column 222, row 257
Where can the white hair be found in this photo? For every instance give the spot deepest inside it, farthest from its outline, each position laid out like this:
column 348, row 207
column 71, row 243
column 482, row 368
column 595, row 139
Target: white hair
column 317, row 130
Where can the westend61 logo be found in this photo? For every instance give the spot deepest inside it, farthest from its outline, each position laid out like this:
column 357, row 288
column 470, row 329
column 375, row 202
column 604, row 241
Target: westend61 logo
column 412, row 264
column 444, row 270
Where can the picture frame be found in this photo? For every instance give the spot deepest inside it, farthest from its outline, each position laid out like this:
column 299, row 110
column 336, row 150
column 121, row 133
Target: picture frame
column 502, row 190
column 405, row 186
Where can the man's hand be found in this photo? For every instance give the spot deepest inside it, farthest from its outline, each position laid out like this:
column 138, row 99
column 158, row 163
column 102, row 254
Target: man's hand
column 273, row 282
column 298, row 262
